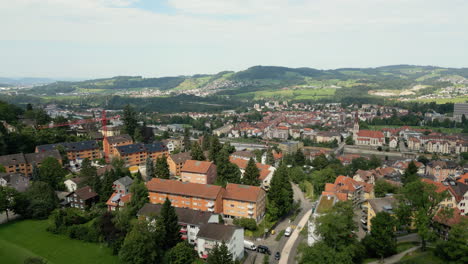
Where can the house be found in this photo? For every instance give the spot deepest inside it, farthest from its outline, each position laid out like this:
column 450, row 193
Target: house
column 327, row 136
column 460, row 192
column 73, row 184
column 136, row 154
column 440, row 170
column 122, row 185
column 190, row 221
column 121, row 194
column 442, row 223
column 214, row 234
column 377, row 205
column 402, row 165
column 244, row 201
column 82, row 198
column 369, row 138
column 177, row 161
column 414, row 144
column 451, row 200
column 345, row 188
column 195, row 171
column 393, row 143
column 266, row 171
column 75, row 150
column 203, row 197
column 23, row 163
column 173, row 144
column 18, row 181
column 110, row 143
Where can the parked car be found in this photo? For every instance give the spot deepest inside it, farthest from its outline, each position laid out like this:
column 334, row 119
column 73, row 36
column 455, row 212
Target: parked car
column 249, row 245
column 277, row 255
column 288, row 231
column 263, row 249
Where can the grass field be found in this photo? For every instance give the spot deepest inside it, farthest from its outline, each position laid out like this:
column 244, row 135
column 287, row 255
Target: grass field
column 420, row 257
column 298, row 94
column 22, row 239
column 462, row 99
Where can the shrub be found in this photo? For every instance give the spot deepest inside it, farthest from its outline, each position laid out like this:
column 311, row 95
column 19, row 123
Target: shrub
column 246, row 223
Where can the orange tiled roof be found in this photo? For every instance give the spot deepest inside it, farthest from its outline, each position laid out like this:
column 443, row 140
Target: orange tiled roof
column 125, row 199
column 450, row 221
column 184, row 188
column 241, row 192
column 264, row 169
column 370, row 133
column 196, row 166
column 463, row 178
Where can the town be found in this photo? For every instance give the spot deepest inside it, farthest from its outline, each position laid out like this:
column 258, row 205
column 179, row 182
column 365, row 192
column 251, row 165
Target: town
column 281, row 182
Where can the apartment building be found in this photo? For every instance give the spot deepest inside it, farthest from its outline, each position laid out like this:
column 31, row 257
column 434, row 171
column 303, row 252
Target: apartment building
column 440, row 170
column 136, row 154
column 75, row 150
column 203, row 197
column 195, row 171
column 177, row 161
column 110, row 144
column 244, row 201
column 23, row 163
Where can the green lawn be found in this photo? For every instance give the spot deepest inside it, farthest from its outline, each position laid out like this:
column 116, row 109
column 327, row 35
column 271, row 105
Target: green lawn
column 405, row 246
column 22, row 239
column 420, row 257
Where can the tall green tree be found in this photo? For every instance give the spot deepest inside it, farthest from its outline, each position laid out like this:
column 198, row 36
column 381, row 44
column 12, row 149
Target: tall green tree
column 382, row 187
column 251, row 174
column 321, row 177
column 8, row 196
column 381, row 242
column 220, row 255
column 52, row 173
column 280, row 195
column 419, row 202
column 161, row 168
column 130, row 120
column 215, row 148
column 139, row 197
column 374, row 162
column 206, row 143
column 182, row 253
column 150, row 169
column 2, row 169
column 320, row 162
column 39, row 201
column 299, row 158
column 270, row 159
column 35, row 172
column 411, row 173
column 138, row 135
column 196, row 152
column 227, row 172
column 170, row 222
column 143, row 244
column 187, row 142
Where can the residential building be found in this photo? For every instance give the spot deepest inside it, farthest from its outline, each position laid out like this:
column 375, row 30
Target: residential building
column 377, row 205
column 75, row 150
column 451, row 200
column 18, row 181
column 190, row 221
column 23, row 163
column 266, row 171
column 324, row 204
column 440, row 170
column 393, row 143
column 122, row 185
column 442, row 223
column 177, row 161
column 136, row 154
column 82, row 198
column 345, row 188
column 290, row 147
column 173, row 144
column 195, row 171
column 327, row 136
column 110, row 143
column 460, row 109
column 244, row 201
column 203, row 197
column 214, row 234
column 369, row 138
column 247, row 155
column 73, row 184
column 121, row 194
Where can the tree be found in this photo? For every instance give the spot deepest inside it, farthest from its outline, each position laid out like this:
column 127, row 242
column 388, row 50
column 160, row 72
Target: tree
column 215, row 148
column 143, row 244
column 187, row 139
column 280, row 195
column 197, row 152
column 162, row 168
column 411, row 173
column 382, row 240
column 150, row 169
column 320, row 162
column 423, row 160
column 130, row 122
column 7, row 199
column 299, row 158
column 383, row 187
column 138, row 135
column 227, row 172
column 170, row 222
column 297, row 175
column 251, row 174
column 220, row 255
column 206, row 142
column 89, row 173
column 456, row 246
column 182, row 253
column 374, row 162
column 35, row 173
column 139, row 197
column 52, row 173
column 349, row 140
column 321, row 177
column 39, row 201
column 419, row 201
column 270, row 159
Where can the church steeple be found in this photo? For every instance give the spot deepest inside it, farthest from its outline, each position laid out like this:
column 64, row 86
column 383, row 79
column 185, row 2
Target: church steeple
column 356, row 123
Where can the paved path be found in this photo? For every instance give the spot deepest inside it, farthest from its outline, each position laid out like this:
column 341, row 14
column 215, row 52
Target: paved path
column 395, row 258
column 285, row 254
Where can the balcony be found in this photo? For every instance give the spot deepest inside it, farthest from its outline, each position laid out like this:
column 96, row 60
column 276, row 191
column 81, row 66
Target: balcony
column 250, row 206
column 210, row 204
column 210, row 210
column 251, row 212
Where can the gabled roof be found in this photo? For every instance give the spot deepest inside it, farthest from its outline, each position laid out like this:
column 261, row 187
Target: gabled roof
column 12, row 159
column 241, row 192
column 35, row 158
column 125, row 181
column 71, row 146
column 119, row 139
column 84, row 193
column 184, row 215
column 370, row 133
column 207, row 191
column 217, row 232
column 116, row 198
column 181, row 157
column 140, row 147
column 454, row 219
column 197, row 166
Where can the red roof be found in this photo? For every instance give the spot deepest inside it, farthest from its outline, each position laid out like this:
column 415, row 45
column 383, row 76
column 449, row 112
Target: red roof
column 370, row 134
column 196, row 166
column 184, row 188
column 124, row 199
column 463, row 178
column 264, row 169
column 454, row 219
column 242, row 192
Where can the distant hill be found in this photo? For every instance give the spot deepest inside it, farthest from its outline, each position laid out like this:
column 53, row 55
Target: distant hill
column 24, row 81
column 271, row 81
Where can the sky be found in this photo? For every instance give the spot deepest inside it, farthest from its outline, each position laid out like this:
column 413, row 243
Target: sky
column 153, row 38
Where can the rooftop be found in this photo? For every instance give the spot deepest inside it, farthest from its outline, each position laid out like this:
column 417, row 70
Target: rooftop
column 207, row 191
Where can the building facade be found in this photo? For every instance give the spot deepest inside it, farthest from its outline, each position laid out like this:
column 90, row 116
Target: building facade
column 244, row 201
column 195, row 171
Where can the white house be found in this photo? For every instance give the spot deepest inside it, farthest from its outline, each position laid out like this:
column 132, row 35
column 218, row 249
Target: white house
column 214, row 234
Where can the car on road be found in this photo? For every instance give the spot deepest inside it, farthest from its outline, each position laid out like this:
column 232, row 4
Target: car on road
column 288, row 231
column 277, row 255
column 263, row 249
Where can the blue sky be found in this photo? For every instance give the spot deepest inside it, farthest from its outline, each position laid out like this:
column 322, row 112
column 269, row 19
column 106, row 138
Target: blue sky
column 102, row 38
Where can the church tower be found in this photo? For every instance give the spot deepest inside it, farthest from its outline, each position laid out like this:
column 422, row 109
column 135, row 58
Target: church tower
column 356, row 124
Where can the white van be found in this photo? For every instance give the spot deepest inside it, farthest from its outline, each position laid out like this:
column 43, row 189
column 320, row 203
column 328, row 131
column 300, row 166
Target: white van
column 288, row 231
column 249, row 245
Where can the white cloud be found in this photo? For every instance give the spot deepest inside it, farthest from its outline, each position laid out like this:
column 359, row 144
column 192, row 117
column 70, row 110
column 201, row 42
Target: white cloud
column 223, row 32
